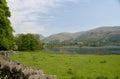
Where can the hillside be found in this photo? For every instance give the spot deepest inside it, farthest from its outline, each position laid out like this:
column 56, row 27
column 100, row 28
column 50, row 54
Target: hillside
column 60, row 37
column 102, row 34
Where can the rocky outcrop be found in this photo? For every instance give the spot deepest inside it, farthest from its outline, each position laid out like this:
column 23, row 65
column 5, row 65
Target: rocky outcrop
column 14, row 70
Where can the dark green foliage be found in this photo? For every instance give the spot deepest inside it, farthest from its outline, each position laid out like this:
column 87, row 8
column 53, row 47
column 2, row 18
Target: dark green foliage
column 28, row 42
column 6, row 36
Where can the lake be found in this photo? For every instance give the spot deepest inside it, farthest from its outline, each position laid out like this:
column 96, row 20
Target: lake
column 87, row 50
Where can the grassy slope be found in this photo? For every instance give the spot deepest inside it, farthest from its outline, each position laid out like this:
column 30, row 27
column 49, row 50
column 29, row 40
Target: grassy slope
column 72, row 66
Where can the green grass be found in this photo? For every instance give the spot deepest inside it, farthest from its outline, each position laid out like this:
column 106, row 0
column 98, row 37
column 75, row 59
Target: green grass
column 72, row 66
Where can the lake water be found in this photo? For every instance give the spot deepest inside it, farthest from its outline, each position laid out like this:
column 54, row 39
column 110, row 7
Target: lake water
column 88, row 50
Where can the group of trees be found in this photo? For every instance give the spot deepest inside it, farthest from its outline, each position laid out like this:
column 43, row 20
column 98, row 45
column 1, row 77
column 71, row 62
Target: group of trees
column 28, row 41
column 20, row 41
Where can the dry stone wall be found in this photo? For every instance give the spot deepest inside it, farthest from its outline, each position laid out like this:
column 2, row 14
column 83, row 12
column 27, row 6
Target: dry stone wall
column 14, row 70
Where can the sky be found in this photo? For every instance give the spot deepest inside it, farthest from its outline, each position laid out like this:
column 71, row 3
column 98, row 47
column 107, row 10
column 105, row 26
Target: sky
column 49, row 17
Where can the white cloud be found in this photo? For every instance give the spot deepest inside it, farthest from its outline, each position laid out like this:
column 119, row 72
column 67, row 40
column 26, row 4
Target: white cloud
column 25, row 13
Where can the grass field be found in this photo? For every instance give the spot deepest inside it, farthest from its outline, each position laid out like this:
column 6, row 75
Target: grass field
column 72, row 66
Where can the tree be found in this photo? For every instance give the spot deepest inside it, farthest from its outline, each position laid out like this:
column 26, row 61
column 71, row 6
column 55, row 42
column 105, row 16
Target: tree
column 6, row 31
column 28, row 42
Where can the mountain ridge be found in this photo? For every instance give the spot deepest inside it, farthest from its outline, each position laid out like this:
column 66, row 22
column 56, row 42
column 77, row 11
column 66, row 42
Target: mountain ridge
column 101, row 34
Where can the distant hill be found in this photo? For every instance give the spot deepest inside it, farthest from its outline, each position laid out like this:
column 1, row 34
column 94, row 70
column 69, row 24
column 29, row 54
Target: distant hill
column 41, row 37
column 102, row 34
column 60, row 37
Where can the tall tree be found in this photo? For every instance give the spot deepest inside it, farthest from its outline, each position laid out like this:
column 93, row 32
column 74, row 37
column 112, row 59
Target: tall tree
column 6, row 31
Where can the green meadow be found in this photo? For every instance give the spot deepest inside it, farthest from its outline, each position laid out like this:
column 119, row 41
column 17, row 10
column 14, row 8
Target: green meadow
column 72, row 66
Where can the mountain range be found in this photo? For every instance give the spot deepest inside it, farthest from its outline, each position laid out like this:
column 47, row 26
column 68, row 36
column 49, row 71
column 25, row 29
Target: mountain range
column 102, row 34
